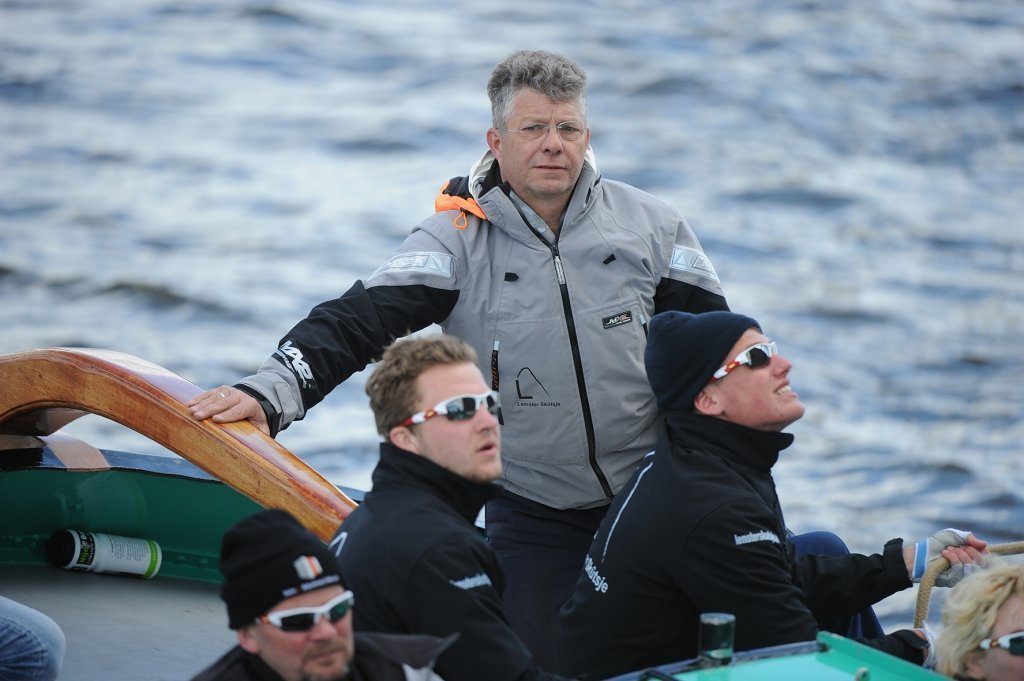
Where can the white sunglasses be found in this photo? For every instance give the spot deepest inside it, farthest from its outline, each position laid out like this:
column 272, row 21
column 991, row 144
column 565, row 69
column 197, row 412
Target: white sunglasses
column 304, row 619
column 1012, row 643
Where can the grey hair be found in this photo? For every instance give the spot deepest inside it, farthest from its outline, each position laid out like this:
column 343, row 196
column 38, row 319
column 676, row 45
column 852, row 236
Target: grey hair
column 554, row 75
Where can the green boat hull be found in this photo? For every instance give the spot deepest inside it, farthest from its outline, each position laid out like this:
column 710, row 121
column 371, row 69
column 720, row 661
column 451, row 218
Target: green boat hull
column 183, row 511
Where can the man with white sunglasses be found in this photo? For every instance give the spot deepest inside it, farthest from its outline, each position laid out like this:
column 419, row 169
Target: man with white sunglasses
column 411, row 550
column 699, row 528
column 293, row 617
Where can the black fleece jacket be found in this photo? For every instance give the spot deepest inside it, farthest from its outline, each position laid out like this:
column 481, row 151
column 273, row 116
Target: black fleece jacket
column 699, row 529
column 417, row 564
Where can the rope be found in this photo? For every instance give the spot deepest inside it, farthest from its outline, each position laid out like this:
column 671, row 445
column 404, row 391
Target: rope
column 938, row 566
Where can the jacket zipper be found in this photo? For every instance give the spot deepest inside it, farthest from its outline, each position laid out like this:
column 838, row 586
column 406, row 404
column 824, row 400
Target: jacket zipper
column 588, row 419
column 574, row 344
column 495, row 377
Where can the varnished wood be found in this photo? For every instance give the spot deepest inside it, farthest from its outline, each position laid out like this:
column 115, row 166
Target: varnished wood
column 43, row 390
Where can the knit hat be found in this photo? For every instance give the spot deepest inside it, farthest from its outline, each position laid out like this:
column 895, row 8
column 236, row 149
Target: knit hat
column 267, row 558
column 685, row 350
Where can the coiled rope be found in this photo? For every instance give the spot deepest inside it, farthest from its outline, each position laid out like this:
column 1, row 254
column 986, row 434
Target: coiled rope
column 924, row 591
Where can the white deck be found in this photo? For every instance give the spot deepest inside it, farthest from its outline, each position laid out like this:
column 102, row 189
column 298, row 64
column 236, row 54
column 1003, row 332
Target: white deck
column 125, row 628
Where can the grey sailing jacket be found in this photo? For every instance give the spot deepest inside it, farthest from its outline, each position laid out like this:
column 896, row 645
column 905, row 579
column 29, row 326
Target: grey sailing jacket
column 559, row 325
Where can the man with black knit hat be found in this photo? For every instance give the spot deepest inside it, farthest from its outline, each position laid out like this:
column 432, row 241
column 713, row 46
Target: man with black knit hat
column 294, row 618
column 699, row 527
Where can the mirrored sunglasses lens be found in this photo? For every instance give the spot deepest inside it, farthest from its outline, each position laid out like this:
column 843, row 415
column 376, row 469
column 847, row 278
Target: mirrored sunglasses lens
column 461, row 408
column 1016, row 646
column 492, row 404
column 339, row 611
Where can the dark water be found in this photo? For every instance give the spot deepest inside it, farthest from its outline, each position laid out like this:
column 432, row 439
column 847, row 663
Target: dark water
column 184, row 180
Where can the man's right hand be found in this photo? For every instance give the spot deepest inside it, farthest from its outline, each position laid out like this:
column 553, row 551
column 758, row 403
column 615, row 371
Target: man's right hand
column 225, row 405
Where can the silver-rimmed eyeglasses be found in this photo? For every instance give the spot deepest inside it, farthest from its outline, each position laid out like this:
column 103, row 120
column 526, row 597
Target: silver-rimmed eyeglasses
column 569, row 131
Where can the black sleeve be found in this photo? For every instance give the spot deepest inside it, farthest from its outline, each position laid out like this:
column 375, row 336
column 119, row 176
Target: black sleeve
column 672, row 294
column 451, row 590
column 841, row 586
column 341, row 336
column 904, row 644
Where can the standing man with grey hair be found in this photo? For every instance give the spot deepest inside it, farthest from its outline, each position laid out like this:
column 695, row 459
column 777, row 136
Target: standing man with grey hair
column 550, row 272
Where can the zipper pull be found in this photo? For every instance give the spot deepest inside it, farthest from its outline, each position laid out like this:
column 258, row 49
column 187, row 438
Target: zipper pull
column 558, row 269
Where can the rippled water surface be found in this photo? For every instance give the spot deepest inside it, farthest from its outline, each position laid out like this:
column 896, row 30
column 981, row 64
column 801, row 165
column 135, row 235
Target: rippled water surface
column 183, row 180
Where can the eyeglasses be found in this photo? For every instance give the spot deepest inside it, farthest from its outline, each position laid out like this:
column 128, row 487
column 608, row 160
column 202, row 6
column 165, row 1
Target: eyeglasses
column 570, row 131
column 460, row 408
column 1012, row 643
column 304, row 619
column 756, row 356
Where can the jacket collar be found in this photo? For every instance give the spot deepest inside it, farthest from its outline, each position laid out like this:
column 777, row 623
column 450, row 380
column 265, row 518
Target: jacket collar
column 401, row 468
column 485, row 174
column 756, row 449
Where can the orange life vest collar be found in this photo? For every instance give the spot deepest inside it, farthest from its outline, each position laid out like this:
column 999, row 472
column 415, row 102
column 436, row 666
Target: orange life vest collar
column 445, row 202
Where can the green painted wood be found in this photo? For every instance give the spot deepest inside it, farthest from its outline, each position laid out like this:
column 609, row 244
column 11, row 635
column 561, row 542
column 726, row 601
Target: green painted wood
column 185, row 516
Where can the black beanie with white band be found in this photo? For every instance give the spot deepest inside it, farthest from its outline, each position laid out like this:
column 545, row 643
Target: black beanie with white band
column 267, row 558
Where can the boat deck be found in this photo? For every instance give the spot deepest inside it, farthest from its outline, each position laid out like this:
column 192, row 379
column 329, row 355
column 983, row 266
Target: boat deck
column 125, row 628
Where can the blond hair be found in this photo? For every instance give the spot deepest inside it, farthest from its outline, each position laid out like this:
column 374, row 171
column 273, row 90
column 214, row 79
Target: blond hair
column 970, row 614
column 392, row 386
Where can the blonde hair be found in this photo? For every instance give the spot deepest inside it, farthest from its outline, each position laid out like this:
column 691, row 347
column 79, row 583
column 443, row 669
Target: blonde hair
column 970, row 613
column 392, row 386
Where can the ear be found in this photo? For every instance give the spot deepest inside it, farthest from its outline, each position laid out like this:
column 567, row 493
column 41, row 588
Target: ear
column 247, row 640
column 403, row 438
column 973, row 667
column 707, row 403
column 494, row 143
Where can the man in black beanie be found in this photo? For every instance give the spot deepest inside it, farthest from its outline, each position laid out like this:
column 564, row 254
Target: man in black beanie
column 294, row 618
column 699, row 527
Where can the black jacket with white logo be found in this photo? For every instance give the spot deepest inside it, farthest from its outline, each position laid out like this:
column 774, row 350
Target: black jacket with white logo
column 699, row 529
column 417, row 564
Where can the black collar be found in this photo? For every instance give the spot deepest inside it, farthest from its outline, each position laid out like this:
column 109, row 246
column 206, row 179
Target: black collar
column 757, row 449
column 401, row 468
